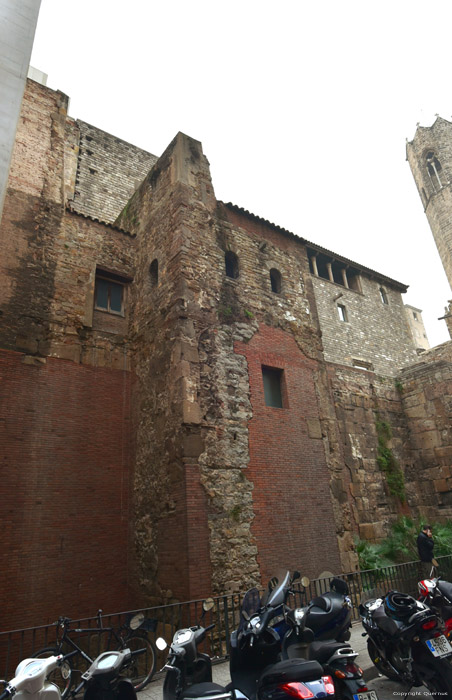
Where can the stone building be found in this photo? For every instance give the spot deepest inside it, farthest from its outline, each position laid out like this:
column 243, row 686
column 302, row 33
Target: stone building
column 193, row 398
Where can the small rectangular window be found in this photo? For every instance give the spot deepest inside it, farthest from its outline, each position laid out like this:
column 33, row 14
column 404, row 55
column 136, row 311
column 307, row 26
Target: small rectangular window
column 109, row 295
column 272, row 379
column 342, row 311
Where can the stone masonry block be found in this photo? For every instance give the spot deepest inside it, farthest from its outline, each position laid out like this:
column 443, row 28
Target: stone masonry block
column 191, row 412
column 314, row 428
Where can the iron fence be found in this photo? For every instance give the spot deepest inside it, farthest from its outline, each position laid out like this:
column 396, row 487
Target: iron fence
column 18, row 644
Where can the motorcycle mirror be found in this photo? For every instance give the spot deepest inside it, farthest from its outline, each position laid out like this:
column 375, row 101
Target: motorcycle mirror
column 136, row 621
column 208, row 604
column 295, row 576
column 160, row 643
column 305, row 581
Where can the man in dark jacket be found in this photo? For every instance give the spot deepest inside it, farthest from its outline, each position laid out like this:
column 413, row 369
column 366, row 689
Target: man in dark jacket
column 425, row 546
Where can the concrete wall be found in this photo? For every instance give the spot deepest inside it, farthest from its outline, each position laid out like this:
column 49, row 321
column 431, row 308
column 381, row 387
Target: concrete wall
column 17, row 30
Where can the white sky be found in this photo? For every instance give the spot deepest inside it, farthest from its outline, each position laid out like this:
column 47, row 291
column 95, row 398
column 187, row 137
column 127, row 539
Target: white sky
column 302, row 107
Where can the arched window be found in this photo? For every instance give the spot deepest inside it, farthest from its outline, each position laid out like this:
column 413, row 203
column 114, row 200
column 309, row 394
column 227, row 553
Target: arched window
column 154, row 272
column 275, row 280
column 383, row 295
column 231, row 263
column 434, row 168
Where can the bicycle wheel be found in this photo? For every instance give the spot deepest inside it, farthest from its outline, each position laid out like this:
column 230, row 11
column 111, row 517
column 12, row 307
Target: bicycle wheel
column 61, row 676
column 142, row 667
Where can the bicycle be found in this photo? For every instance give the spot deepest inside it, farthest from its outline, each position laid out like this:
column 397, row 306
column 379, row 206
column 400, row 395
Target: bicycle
column 133, row 635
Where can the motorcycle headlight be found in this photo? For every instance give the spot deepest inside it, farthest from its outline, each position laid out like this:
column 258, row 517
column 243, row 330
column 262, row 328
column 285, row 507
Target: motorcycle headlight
column 298, row 614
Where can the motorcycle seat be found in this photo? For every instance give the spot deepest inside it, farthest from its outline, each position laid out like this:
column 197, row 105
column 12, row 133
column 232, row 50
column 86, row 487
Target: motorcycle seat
column 323, row 609
column 445, row 588
column 385, row 623
column 203, row 690
column 290, row 671
column 322, row 651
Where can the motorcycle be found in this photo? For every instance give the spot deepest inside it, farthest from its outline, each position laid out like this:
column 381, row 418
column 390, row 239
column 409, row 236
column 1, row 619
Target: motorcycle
column 437, row 594
column 406, row 642
column 255, row 669
column 337, row 658
column 100, row 682
column 330, row 614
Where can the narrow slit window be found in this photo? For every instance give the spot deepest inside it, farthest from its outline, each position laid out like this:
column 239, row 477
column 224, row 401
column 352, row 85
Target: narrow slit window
column 342, row 311
column 231, row 263
column 154, row 272
column 384, row 296
column 272, row 380
column 275, row 281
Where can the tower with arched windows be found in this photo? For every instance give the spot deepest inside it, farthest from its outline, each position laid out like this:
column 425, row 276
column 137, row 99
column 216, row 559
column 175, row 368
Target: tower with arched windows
column 430, row 157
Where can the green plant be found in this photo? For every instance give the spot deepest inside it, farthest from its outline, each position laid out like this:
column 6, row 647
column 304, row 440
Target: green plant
column 387, row 461
column 399, row 386
column 225, row 311
column 248, row 314
column 369, row 555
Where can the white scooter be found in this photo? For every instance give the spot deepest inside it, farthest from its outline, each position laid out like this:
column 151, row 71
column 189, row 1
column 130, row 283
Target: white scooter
column 102, row 681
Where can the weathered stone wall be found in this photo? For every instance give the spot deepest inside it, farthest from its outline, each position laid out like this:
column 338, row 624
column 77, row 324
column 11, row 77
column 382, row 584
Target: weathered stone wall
column 66, row 428
column 435, row 192
column 374, row 332
column 426, row 390
column 363, row 399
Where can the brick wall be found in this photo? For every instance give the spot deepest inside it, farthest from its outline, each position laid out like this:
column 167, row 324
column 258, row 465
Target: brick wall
column 66, row 449
column 287, row 465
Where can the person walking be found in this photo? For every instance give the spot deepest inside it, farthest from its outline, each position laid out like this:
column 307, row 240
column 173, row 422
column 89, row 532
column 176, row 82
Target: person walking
column 425, row 545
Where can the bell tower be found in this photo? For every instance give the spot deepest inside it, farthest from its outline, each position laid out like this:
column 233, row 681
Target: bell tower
column 430, row 157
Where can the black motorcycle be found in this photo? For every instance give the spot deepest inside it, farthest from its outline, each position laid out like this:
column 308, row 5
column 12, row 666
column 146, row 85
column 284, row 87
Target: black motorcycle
column 255, row 667
column 337, row 658
column 406, row 642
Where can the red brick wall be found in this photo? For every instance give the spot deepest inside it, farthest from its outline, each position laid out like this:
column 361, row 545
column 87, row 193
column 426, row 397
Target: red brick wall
column 65, row 448
column 291, row 497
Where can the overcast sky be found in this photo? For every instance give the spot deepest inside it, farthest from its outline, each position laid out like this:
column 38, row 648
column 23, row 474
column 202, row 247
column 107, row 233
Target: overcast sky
column 303, row 109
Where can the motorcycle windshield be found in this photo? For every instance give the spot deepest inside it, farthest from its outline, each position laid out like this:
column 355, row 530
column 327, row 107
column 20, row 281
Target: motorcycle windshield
column 250, row 605
column 278, row 594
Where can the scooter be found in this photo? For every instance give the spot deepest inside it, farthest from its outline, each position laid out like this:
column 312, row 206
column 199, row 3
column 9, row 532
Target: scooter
column 336, row 658
column 101, row 681
column 255, row 668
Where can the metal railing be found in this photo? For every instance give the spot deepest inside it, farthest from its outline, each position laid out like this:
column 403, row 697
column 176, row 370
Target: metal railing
column 18, row 644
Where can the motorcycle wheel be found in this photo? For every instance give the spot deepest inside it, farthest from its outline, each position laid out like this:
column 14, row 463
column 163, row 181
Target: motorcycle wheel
column 142, row 668
column 62, row 676
column 379, row 663
column 439, row 679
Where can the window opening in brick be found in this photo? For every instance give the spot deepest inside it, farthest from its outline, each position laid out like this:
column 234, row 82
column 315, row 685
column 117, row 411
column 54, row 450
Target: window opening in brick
column 415, row 316
column 154, row 272
column 231, row 263
column 109, row 295
column 272, row 380
column 342, row 311
column 383, row 295
column 275, row 280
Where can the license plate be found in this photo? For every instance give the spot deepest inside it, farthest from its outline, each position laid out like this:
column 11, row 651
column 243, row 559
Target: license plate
column 369, row 695
column 439, row 646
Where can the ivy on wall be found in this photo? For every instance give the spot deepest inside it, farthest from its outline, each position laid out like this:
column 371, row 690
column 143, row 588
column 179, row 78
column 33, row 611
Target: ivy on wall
column 387, row 461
